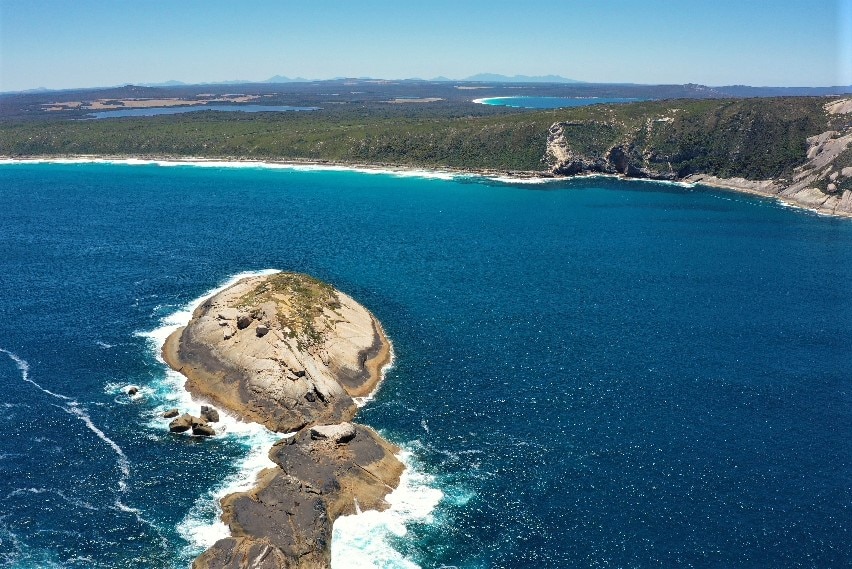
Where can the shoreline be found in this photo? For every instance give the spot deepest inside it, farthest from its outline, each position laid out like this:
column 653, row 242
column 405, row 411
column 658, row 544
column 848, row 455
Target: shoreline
column 377, row 366
column 759, row 188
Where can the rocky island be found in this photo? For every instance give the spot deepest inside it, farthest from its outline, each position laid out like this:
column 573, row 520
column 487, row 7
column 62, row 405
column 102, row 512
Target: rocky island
column 292, row 353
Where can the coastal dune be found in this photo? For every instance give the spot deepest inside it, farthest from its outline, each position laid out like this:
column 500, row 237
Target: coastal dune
column 291, row 352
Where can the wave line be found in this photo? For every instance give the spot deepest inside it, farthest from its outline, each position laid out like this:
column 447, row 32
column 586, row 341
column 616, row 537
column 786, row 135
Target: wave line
column 72, row 407
column 24, row 366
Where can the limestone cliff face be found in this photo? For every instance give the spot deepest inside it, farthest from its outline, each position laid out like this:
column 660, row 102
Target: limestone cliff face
column 283, row 350
column 624, row 159
column 822, row 181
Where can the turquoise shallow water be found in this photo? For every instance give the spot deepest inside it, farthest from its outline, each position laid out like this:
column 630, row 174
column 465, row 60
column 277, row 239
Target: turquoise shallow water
column 596, row 373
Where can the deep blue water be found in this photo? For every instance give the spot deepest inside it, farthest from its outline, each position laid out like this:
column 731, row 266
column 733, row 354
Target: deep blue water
column 151, row 112
column 529, row 102
column 597, row 373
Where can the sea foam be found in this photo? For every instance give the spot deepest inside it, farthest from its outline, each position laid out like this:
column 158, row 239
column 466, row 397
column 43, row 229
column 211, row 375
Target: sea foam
column 363, row 541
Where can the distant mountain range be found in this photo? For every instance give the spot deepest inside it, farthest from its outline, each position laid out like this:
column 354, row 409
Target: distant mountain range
column 478, row 78
column 283, row 79
column 497, row 78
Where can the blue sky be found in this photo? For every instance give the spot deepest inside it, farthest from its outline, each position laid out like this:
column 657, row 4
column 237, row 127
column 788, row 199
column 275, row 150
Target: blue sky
column 84, row 43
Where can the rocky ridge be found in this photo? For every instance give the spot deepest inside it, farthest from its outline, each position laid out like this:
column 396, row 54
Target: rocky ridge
column 821, row 182
column 292, row 353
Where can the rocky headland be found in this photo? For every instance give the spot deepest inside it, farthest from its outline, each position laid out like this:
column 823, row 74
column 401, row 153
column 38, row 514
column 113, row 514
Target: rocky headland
column 674, row 145
column 292, row 353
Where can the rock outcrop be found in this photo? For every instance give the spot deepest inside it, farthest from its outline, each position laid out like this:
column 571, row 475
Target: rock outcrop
column 209, row 414
column 181, row 424
column 203, row 430
column 283, row 350
column 290, row 352
column 819, row 184
column 287, row 519
column 620, row 159
column 822, row 182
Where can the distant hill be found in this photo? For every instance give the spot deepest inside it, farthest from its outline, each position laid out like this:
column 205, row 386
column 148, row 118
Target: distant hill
column 749, row 91
column 497, row 78
column 283, row 79
column 171, row 83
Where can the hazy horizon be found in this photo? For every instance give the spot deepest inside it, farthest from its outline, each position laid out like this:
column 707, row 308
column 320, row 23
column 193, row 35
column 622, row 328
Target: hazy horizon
column 89, row 43
column 509, row 79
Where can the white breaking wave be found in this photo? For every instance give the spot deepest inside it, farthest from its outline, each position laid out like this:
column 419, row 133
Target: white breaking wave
column 530, row 180
column 362, row 541
column 73, row 407
column 72, row 501
column 197, row 527
column 24, row 368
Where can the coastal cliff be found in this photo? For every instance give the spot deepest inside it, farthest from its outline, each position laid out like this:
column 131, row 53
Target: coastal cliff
column 764, row 150
column 796, row 149
column 291, row 352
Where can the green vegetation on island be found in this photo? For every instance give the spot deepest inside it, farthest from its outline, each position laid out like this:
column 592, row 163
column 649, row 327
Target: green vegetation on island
column 302, row 305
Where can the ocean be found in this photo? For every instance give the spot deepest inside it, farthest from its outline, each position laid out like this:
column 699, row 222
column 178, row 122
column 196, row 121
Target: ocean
column 586, row 373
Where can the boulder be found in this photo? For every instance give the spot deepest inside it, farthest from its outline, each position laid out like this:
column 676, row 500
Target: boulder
column 132, row 390
column 203, row 430
column 181, row 424
column 209, row 414
column 244, row 321
column 261, row 330
column 339, row 433
column 193, row 421
column 227, row 314
column 171, row 413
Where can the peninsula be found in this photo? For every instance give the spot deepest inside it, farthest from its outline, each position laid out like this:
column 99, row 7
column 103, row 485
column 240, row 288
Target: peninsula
column 292, row 353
